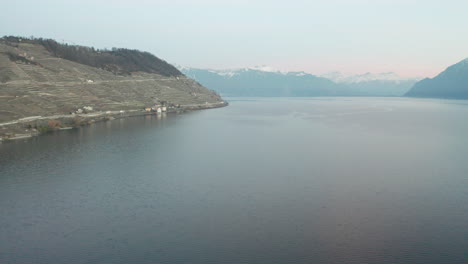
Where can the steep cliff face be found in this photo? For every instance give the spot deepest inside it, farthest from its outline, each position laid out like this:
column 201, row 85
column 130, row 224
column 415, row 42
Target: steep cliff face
column 451, row 83
column 37, row 80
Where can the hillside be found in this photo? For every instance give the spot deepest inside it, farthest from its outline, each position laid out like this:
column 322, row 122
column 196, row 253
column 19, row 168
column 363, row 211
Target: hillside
column 118, row 60
column 42, row 78
column 451, row 83
column 267, row 82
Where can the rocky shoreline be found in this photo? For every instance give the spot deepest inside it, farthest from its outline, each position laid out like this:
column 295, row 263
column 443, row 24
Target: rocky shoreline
column 37, row 125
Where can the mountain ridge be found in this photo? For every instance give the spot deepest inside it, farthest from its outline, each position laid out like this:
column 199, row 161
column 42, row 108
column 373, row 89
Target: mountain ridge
column 366, row 77
column 256, row 81
column 451, row 83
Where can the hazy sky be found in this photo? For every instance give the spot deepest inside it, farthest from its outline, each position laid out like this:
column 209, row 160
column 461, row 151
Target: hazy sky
column 410, row 37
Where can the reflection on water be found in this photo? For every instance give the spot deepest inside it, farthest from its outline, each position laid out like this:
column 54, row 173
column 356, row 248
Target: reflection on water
column 318, row 180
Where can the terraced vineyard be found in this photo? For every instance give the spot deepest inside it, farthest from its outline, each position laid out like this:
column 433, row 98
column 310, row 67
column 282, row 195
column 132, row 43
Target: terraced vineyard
column 39, row 84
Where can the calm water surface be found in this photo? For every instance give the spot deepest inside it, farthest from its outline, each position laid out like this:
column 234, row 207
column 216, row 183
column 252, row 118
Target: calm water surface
column 322, row 180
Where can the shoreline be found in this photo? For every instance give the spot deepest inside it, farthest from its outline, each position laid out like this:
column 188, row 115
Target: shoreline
column 33, row 126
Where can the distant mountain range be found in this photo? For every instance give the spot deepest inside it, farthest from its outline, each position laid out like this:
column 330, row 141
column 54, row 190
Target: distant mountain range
column 451, row 83
column 366, row 77
column 265, row 81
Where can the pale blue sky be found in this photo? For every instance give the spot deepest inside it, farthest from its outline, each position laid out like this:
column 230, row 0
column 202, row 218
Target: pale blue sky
column 410, row 37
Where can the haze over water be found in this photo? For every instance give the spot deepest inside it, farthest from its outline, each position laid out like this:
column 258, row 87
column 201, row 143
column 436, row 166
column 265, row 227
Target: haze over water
column 314, row 180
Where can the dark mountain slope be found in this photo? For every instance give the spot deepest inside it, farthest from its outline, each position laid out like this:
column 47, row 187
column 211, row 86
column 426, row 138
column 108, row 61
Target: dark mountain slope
column 451, row 83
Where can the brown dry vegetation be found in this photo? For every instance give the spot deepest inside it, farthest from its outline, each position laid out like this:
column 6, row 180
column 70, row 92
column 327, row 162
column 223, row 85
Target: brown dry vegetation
column 54, row 85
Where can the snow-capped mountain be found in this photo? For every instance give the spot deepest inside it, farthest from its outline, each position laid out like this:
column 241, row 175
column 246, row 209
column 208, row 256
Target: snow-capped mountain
column 366, row 77
column 237, row 71
column 261, row 81
column 264, row 68
column 267, row 81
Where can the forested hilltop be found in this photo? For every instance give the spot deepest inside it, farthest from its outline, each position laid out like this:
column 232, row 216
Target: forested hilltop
column 118, row 60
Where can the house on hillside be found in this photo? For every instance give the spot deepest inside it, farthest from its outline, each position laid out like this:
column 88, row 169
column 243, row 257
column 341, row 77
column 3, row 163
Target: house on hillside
column 156, row 109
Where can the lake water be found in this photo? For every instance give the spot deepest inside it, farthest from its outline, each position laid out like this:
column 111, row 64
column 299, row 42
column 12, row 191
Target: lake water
column 311, row 180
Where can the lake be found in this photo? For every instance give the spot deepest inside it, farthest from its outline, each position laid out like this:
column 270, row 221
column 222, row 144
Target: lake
column 271, row 180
